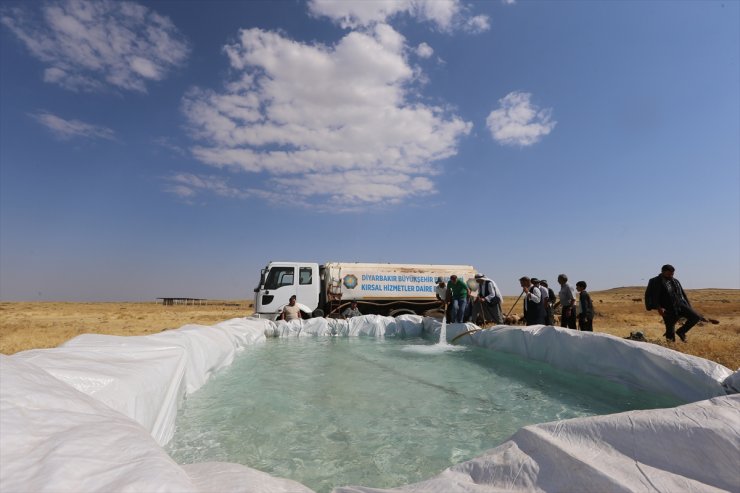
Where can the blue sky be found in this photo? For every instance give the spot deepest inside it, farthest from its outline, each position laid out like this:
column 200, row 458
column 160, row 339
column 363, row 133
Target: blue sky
column 174, row 148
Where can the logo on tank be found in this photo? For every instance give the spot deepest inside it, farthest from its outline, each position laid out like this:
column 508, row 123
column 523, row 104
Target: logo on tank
column 350, row 281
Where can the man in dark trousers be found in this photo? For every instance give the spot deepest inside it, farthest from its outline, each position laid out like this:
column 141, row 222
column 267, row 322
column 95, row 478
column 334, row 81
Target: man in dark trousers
column 534, row 312
column 665, row 294
column 567, row 300
column 488, row 303
column 549, row 312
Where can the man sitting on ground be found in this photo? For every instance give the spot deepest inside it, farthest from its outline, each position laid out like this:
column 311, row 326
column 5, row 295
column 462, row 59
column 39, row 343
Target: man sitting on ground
column 352, row 311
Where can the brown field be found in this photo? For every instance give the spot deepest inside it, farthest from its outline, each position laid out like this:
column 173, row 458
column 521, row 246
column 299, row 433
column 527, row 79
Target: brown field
column 619, row 311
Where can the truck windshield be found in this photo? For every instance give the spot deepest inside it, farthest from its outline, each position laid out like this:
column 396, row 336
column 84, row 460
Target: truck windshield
column 280, row 276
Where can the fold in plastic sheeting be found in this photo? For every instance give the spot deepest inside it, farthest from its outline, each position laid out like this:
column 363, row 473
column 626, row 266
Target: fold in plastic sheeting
column 91, row 414
column 694, row 448
column 57, row 439
column 365, row 325
column 637, row 364
column 145, row 377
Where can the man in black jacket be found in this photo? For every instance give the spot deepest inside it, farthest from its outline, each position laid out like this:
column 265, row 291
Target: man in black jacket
column 534, row 312
column 665, row 294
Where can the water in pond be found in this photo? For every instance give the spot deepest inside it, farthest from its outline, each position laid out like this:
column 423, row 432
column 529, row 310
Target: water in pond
column 337, row 411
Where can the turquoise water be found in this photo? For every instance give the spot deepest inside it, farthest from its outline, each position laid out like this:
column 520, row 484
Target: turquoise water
column 338, row 411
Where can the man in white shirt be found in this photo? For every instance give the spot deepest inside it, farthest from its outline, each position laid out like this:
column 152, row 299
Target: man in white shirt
column 534, row 313
column 544, row 295
column 443, row 296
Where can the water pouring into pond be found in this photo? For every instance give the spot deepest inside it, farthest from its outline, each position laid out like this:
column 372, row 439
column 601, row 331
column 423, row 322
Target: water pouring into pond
column 442, row 345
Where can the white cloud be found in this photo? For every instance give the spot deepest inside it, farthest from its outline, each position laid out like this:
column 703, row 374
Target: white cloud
column 91, row 45
column 518, row 121
column 169, row 144
column 446, row 15
column 332, row 123
column 478, row 24
column 187, row 186
column 352, row 14
column 424, row 50
column 68, row 129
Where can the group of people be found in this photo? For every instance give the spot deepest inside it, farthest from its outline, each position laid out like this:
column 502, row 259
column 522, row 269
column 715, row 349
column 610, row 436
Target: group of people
column 540, row 302
column 664, row 293
column 456, row 296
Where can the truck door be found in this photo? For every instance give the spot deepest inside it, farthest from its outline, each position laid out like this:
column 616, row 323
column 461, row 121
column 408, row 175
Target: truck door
column 279, row 287
column 307, row 290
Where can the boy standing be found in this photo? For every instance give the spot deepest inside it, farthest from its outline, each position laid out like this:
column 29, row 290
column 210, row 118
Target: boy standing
column 586, row 317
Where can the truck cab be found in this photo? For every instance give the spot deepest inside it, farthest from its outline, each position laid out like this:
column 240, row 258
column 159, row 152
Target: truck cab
column 281, row 280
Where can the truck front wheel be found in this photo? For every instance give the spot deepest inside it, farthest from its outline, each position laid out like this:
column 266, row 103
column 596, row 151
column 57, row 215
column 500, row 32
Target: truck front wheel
column 317, row 313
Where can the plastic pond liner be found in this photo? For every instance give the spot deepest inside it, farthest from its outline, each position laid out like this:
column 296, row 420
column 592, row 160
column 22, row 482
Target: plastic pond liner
column 386, row 412
column 99, row 413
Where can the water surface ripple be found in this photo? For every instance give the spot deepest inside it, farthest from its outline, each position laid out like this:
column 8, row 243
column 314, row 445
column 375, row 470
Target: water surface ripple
column 337, row 411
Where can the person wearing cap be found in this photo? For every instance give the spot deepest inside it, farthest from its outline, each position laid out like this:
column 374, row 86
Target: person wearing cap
column 443, row 296
column 549, row 312
column 460, row 292
column 533, row 313
column 665, row 294
column 487, row 304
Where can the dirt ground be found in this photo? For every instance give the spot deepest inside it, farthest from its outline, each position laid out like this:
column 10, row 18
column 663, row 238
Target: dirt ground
column 619, row 311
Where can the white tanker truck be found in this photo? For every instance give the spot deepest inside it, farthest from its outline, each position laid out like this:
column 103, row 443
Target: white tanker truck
column 325, row 290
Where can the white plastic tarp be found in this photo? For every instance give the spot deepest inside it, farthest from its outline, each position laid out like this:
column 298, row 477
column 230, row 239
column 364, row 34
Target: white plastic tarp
column 694, row 448
column 637, row 364
column 365, row 325
column 145, row 377
column 89, row 415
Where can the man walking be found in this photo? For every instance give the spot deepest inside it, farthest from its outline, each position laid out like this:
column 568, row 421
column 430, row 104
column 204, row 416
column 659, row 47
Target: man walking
column 665, row 294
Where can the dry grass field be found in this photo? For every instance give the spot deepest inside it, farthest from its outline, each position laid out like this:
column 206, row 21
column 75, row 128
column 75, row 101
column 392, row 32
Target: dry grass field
column 28, row 325
column 619, row 311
